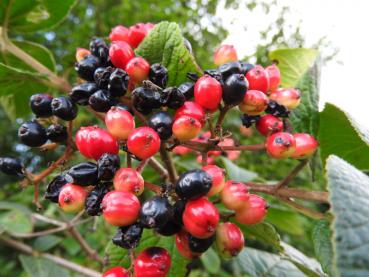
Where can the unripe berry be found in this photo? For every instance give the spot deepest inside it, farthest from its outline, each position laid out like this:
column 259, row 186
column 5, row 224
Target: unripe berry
column 120, row 53
column 117, row 271
column 254, row 103
column 234, row 89
column 81, row 53
column 181, row 150
column 120, row 208
column 193, row 110
column 143, row 142
column 183, row 247
column 269, row 124
column 217, row 176
column 136, row 34
column 119, row 122
column 280, row 145
column 186, row 128
column 138, row 69
column 209, row 160
column 253, row 212
column 119, row 33
column 193, row 184
column 258, row 79
column 306, row 145
column 229, row 240
column 234, row 195
column 32, row 134
column 72, row 198
column 288, row 97
column 128, row 180
column 231, row 155
column 41, row 105
column 200, row 218
column 274, row 76
column 81, row 140
column 208, row 93
column 225, row 53
column 152, row 262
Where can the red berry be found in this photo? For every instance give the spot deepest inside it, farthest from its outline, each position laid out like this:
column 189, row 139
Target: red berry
column 229, row 240
column 258, row 79
column 218, row 175
column 119, row 33
column 210, row 160
column 128, row 180
column 186, row 128
column 306, row 145
column 181, row 150
column 117, row 271
column 143, row 142
column 119, row 122
column 280, row 145
column 254, row 103
column 182, row 243
column 81, row 140
column 288, row 97
column 231, row 155
column 120, row 208
column 208, row 93
column 253, row 212
column 138, row 69
column 136, row 34
column 81, row 53
column 152, row 262
column 193, row 110
column 274, row 76
column 72, row 198
column 225, row 53
column 234, row 195
column 269, row 124
column 200, row 218
column 120, row 53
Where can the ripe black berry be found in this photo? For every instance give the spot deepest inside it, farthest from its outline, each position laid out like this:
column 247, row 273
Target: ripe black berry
column 57, row 133
column 158, row 75
column 64, row 108
column 234, row 89
column 215, row 73
column 102, row 76
column 187, row 90
column 169, row 229
column 11, row 166
column 200, row 245
column 128, row 237
column 41, row 105
column 155, row 212
column 107, row 165
column 86, row 67
column 54, row 187
column 96, row 44
column 193, row 184
column 83, row 174
column 248, row 120
column 175, row 98
column 103, row 55
column 81, row 93
column 94, row 199
column 229, row 68
column 101, row 101
column 118, row 82
column 32, row 134
column 246, row 67
column 162, row 123
column 277, row 110
column 146, row 99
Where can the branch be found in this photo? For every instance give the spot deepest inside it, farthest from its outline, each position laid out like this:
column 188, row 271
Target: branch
column 223, row 112
column 152, row 187
column 304, row 210
column 168, row 161
column 292, row 174
column 154, row 163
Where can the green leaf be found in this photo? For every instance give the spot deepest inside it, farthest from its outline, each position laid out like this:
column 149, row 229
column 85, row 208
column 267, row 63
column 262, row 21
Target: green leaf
column 45, row 243
column 237, row 173
column 340, row 135
column 286, row 220
column 115, row 255
column 40, row 267
column 165, row 45
column 293, row 63
column 349, row 194
column 16, row 222
column 323, row 246
column 211, row 261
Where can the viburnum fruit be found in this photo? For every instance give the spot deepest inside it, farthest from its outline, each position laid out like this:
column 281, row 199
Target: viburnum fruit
column 120, row 208
column 234, row 89
column 175, row 98
column 138, row 69
column 128, row 180
column 86, row 67
column 81, row 53
column 94, row 199
column 306, row 145
column 72, row 198
column 32, row 134
column 57, row 133
column 81, row 93
column 41, row 105
column 152, row 262
column 193, row 110
column 253, row 212
column 101, row 101
column 155, row 212
column 208, row 93
column 136, row 34
column 119, row 33
column 246, row 67
column 143, row 142
column 183, row 246
column 217, row 177
column 193, row 184
column 107, row 166
column 274, row 76
column 83, row 174
column 234, row 195
column 200, row 245
column 229, row 240
column 64, row 108
column 280, row 145
column 118, row 82
column 225, row 53
column 254, row 103
column 200, row 218
column 120, row 53
column 54, row 187
column 288, row 97
column 11, row 166
column 117, row 271
column 187, row 89
column 162, row 123
column 128, row 237
column 175, row 223
column 158, row 75
column 226, row 70
column 119, row 122
column 186, row 128
column 215, row 73
column 269, row 124
column 146, row 99
column 258, row 79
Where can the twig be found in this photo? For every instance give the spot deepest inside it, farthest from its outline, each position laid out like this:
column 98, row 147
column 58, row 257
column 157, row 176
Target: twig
column 129, row 160
column 305, row 210
column 167, row 160
column 292, row 174
column 201, row 146
column 154, row 163
column 223, row 111
column 210, row 124
column 204, row 159
column 141, row 165
column 152, row 187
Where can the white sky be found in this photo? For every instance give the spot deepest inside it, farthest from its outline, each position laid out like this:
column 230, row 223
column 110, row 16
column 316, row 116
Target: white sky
column 344, row 22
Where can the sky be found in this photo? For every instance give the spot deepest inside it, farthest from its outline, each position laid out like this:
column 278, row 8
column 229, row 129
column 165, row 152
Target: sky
column 345, row 23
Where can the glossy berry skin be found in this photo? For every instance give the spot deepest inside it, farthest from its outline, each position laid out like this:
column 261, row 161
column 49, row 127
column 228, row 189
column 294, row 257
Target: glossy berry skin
column 102, row 75
column 54, row 187
column 234, row 89
column 128, row 180
column 83, row 174
column 155, row 212
column 101, row 101
column 225, row 53
column 258, row 79
column 306, row 145
column 183, row 247
column 120, row 208
column 81, row 140
column 208, row 93
column 186, row 128
column 152, row 262
column 146, row 99
column 107, row 166
column 87, row 66
column 72, row 198
column 118, row 82
column 269, row 124
column 229, row 240
column 158, row 75
column 253, row 212
column 288, row 97
column 120, row 54
column 234, row 195
column 11, row 166
column 193, row 184
column 96, row 43
column 143, row 142
column 32, row 134
column 57, row 133
column 136, row 34
column 218, row 178
column 200, row 218
column 128, row 237
column 200, row 245
column 255, row 102
column 175, row 223
column 228, row 69
column 117, row 271
column 81, row 93
column 64, row 108
column 162, row 123
column 138, row 69
column 246, row 67
column 119, row 122
column 175, row 99
column 81, row 53
column 119, row 33
column 193, row 110
column 215, row 73
column 274, row 76
column 41, row 104
column 94, row 199
column 277, row 110
column 187, row 89
column 280, row 145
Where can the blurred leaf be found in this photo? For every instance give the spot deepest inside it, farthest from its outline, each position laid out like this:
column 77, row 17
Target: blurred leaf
column 237, row 173
column 45, row 243
column 40, row 267
column 340, row 135
column 115, row 255
column 71, row 246
column 286, row 220
column 323, row 246
column 165, row 45
column 211, row 261
column 5, row 205
column 349, row 194
column 15, row 219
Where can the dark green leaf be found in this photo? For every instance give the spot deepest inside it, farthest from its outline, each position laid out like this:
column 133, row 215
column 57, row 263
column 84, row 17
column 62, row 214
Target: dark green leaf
column 15, row 222
column 45, row 243
column 237, row 173
column 323, row 246
column 286, row 220
column 40, row 267
column 211, row 261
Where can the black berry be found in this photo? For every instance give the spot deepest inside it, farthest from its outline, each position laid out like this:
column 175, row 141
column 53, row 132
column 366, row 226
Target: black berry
column 158, row 75
column 234, row 89
column 162, row 123
column 41, row 105
column 200, row 245
column 94, row 199
column 86, row 67
column 128, row 237
column 175, row 98
column 193, row 184
column 155, row 212
column 102, row 76
column 95, row 44
column 83, row 174
column 248, row 120
column 11, row 166
column 107, row 165
column 54, row 187
column 81, row 93
column 64, row 108
column 32, row 134
column 101, row 101
column 57, row 133
column 146, row 99
column 277, row 110
column 118, row 82
column 229, row 68
column 246, row 67
column 187, row 90
column 215, row 73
